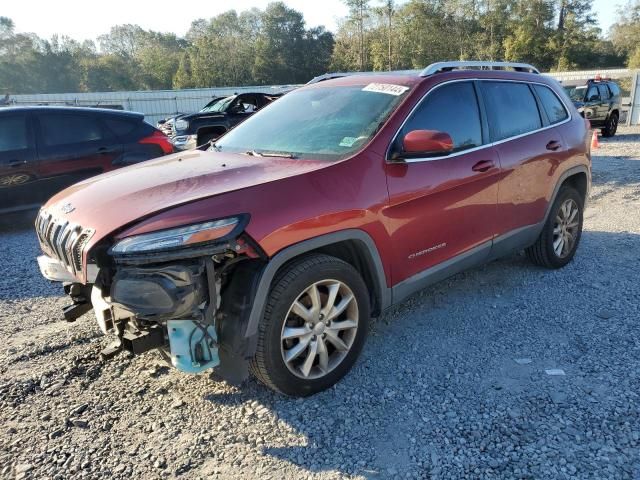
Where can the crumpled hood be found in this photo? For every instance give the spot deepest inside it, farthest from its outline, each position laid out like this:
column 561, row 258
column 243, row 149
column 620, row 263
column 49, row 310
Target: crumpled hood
column 112, row 200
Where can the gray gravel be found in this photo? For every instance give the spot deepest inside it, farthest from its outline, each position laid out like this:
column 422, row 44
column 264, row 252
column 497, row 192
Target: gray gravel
column 505, row 371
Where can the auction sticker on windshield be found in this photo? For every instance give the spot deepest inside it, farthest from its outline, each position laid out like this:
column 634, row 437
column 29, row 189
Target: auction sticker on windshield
column 388, row 88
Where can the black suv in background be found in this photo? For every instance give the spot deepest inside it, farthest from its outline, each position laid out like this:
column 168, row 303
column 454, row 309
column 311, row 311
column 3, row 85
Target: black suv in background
column 599, row 102
column 45, row 149
column 196, row 129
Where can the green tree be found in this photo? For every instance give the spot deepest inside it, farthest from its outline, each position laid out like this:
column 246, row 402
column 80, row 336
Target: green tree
column 359, row 12
column 625, row 33
column 529, row 40
column 280, row 46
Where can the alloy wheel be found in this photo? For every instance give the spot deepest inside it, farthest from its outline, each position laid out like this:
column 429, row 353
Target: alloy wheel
column 565, row 228
column 14, row 179
column 319, row 329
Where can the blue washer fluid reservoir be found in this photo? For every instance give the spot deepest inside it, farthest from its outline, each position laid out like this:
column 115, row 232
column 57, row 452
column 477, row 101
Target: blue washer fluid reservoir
column 185, row 338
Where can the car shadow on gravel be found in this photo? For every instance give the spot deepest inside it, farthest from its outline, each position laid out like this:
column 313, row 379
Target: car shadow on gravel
column 17, row 222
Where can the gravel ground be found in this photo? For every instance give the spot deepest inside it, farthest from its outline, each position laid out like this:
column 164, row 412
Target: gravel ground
column 505, row 371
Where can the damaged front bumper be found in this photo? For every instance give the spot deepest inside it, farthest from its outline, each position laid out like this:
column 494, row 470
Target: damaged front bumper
column 54, row 270
column 173, row 305
column 168, row 307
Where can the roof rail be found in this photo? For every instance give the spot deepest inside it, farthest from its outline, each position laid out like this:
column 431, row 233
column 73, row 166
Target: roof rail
column 474, row 65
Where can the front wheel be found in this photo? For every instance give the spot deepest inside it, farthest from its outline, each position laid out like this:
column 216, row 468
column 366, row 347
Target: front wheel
column 560, row 236
column 314, row 326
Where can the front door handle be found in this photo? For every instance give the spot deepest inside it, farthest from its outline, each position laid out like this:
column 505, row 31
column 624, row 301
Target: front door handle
column 104, row 150
column 17, row 163
column 483, row 166
column 553, row 145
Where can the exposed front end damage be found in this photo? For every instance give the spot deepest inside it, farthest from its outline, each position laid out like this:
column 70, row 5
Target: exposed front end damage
column 192, row 304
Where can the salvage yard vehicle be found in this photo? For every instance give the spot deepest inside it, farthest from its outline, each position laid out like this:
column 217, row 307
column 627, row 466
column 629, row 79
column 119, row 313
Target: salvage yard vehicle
column 271, row 251
column 46, row 149
column 166, row 125
column 216, row 118
column 599, row 101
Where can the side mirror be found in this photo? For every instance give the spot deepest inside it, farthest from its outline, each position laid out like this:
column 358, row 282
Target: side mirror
column 594, row 98
column 427, row 142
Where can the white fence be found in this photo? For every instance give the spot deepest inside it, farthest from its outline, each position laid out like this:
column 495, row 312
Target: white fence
column 155, row 104
column 158, row 104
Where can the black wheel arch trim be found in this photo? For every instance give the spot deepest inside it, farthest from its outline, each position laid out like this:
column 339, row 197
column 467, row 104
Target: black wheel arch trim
column 277, row 261
column 563, row 177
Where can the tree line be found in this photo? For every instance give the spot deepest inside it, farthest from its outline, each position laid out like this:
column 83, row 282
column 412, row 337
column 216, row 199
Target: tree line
column 275, row 46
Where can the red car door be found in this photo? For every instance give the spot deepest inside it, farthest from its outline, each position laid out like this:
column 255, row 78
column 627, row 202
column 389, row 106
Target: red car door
column 73, row 146
column 528, row 147
column 443, row 206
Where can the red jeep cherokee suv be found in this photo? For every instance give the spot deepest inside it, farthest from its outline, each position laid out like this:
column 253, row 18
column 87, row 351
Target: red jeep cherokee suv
column 271, row 251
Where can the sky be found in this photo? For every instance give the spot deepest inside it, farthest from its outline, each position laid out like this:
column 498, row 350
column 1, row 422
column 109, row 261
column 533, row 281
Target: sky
column 82, row 19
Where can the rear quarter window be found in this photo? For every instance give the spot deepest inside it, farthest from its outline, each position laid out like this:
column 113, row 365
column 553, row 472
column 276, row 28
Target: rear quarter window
column 553, row 107
column 511, row 108
column 121, row 126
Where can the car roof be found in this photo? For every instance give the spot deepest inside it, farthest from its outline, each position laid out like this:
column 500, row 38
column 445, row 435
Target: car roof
column 64, row 109
column 584, row 83
column 441, row 71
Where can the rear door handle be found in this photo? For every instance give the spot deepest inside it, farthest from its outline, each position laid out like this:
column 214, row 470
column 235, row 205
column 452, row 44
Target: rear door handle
column 553, row 145
column 483, row 166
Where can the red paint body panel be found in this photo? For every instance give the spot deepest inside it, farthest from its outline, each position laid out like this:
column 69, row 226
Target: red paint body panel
column 440, row 208
column 406, row 208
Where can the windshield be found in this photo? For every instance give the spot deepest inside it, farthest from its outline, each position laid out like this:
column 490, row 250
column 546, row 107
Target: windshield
column 210, row 104
column 219, row 106
column 327, row 123
column 576, row 93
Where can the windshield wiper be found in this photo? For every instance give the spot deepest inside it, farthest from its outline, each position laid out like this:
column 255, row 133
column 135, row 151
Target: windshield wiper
column 255, row 153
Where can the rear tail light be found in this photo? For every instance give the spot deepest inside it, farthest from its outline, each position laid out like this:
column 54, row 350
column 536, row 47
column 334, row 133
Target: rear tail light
column 160, row 139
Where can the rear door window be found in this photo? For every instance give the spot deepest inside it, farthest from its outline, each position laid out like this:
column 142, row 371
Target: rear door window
column 604, row 92
column 64, row 129
column 511, row 109
column 452, row 109
column 553, row 107
column 13, row 133
column 592, row 94
column 615, row 91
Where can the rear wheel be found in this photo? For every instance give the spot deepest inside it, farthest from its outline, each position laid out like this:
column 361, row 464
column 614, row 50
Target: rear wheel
column 560, row 236
column 314, row 326
column 610, row 126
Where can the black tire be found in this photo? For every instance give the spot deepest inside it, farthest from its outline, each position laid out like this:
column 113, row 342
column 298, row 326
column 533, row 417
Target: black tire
column 611, row 125
column 268, row 365
column 543, row 252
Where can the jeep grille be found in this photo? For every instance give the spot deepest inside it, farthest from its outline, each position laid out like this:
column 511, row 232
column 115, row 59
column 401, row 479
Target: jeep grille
column 62, row 240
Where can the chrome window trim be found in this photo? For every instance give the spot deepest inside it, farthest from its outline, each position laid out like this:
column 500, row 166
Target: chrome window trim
column 480, row 147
